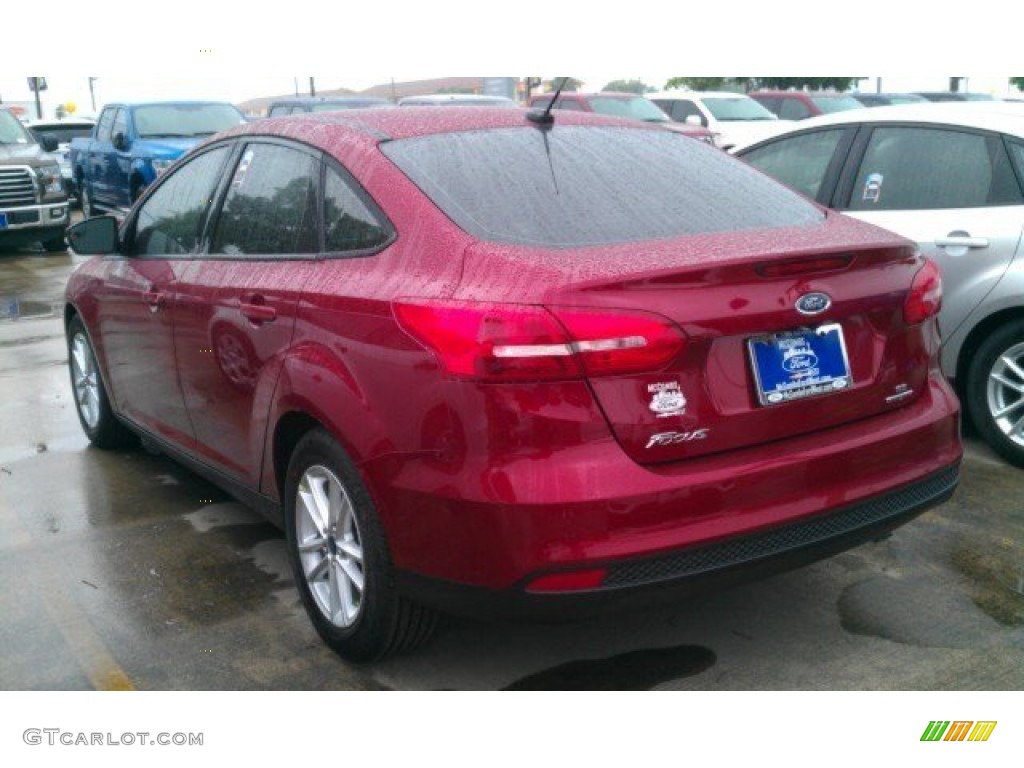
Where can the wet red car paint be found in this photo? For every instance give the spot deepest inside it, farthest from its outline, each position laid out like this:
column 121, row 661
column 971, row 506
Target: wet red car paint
column 506, row 483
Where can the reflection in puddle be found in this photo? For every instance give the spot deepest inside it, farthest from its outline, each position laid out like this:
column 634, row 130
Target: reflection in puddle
column 15, row 308
column 633, row 671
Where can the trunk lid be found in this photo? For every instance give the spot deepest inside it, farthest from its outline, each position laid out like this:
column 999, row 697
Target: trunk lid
column 723, row 291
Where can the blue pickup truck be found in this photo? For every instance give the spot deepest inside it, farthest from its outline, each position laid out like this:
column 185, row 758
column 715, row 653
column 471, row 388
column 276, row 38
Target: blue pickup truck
column 132, row 144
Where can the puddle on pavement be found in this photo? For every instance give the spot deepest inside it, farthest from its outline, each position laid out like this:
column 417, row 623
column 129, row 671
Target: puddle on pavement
column 922, row 611
column 995, row 580
column 15, row 308
column 634, row 671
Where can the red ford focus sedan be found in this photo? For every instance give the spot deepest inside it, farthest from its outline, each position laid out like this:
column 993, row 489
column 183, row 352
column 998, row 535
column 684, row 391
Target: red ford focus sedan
column 474, row 361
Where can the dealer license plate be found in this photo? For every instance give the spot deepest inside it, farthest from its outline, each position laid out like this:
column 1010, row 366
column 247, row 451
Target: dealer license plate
column 797, row 364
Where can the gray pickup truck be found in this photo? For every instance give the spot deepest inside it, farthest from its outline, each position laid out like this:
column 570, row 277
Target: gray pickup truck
column 33, row 205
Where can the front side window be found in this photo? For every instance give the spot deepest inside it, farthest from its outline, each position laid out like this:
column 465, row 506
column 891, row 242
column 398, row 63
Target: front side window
column 120, row 123
column 270, row 207
column 170, row 222
column 799, row 162
column 106, row 122
column 907, row 168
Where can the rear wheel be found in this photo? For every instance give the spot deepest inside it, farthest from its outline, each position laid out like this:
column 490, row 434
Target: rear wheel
column 995, row 391
column 340, row 557
column 91, row 402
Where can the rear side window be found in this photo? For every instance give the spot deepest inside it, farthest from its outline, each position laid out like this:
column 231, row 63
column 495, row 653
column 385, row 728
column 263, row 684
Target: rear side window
column 270, row 207
column 800, row 161
column 171, row 220
column 583, row 185
column 349, row 222
column 909, row 168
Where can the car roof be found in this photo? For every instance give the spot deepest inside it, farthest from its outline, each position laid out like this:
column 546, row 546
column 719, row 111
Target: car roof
column 297, row 100
column 815, row 94
column 442, row 97
column 995, row 116
column 696, row 95
column 172, row 103
column 65, row 122
column 374, row 125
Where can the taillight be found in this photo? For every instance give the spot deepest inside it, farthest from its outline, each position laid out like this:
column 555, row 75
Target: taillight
column 925, row 297
column 520, row 342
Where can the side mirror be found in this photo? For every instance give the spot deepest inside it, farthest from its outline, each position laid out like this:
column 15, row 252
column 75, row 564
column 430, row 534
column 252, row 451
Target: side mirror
column 120, row 141
column 48, row 143
column 94, row 237
column 694, row 120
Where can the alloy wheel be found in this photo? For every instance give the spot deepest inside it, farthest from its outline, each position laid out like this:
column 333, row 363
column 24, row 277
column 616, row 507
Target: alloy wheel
column 1005, row 393
column 329, row 546
column 85, row 378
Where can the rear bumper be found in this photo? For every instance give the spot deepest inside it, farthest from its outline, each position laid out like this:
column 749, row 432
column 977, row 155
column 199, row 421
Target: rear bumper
column 499, row 526
column 645, row 581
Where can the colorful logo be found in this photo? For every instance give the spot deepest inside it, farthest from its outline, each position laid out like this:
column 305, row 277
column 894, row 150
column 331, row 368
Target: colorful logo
column 958, row 730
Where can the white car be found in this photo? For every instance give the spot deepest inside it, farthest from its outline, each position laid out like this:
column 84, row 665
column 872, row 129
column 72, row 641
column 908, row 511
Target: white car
column 733, row 118
column 951, row 177
column 63, row 131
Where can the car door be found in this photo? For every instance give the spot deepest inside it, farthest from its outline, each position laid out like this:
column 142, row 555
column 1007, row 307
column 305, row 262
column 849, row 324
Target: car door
column 95, row 161
column 135, row 299
column 235, row 306
column 119, row 164
column 950, row 189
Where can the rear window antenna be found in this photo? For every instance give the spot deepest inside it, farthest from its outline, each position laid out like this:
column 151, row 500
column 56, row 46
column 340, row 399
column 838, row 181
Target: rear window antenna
column 545, row 118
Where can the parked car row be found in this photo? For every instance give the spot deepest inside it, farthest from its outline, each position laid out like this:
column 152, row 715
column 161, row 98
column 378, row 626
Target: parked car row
column 951, row 178
column 513, row 362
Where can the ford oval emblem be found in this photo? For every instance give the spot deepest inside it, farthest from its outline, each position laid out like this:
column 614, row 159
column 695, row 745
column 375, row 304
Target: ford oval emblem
column 813, row 303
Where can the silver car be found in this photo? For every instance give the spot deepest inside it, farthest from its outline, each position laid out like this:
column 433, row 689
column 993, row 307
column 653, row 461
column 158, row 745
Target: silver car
column 951, row 177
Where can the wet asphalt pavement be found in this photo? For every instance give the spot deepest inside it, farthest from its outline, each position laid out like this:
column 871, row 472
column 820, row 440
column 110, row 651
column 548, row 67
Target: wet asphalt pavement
column 124, row 570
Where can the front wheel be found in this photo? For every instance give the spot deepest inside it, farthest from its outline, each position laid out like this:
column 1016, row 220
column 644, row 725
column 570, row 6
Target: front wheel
column 340, row 558
column 995, row 391
column 91, row 401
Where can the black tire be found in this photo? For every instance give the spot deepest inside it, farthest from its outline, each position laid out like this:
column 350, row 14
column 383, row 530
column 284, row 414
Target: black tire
column 986, row 397
column 383, row 623
column 55, row 244
column 97, row 419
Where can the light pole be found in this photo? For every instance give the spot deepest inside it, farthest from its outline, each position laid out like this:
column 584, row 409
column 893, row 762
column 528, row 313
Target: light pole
column 92, row 93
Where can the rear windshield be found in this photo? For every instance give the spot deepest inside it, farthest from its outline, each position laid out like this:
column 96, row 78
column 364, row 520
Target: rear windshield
column 829, row 104
column 63, row 133
column 575, row 186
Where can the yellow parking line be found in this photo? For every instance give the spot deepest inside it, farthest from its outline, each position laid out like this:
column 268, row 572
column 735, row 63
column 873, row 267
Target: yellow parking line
column 93, row 657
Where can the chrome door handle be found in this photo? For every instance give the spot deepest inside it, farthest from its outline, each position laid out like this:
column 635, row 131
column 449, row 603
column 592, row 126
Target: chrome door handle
column 961, row 241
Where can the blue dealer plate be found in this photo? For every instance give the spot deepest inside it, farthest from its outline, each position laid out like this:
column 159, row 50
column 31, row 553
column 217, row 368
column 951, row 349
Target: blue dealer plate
column 3, row 221
column 796, row 364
